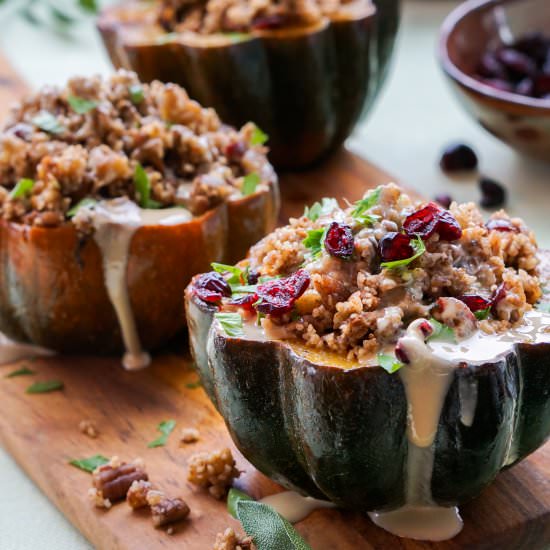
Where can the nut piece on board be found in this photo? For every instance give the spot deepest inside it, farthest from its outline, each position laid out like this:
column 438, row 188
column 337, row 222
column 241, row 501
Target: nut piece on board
column 165, row 510
column 229, row 540
column 214, row 471
column 137, row 494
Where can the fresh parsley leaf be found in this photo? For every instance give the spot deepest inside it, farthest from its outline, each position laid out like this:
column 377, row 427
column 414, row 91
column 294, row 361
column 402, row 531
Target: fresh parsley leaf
column 86, row 202
column 89, row 464
column 165, row 428
column 143, row 187
column 359, row 212
column 441, row 331
column 482, row 313
column 389, row 363
column 232, row 323
column 45, row 387
column 250, row 183
column 244, row 289
column 48, row 122
column 22, row 188
column 419, row 248
column 193, row 385
column 23, row 371
column 318, row 209
column 237, row 274
column 233, row 497
column 88, row 5
column 314, row 241
column 80, row 105
column 259, row 137
column 136, row 93
column 545, row 307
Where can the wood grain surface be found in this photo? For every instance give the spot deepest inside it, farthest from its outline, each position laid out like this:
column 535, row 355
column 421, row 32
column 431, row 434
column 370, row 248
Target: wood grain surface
column 41, row 432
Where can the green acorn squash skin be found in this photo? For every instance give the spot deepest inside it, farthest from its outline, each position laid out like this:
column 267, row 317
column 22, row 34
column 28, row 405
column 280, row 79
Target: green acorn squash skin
column 307, row 90
column 341, row 434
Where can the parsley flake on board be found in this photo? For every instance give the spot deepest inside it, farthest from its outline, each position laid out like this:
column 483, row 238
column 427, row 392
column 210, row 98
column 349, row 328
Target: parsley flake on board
column 389, row 363
column 143, row 187
column 419, row 248
column 232, row 323
column 45, row 387
column 22, row 188
column 166, row 427
column 80, row 105
column 89, row 464
column 318, row 209
column 48, row 122
column 250, row 182
column 23, row 371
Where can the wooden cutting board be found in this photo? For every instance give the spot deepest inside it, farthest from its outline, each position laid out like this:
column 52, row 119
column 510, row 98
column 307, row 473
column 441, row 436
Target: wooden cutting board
column 41, row 432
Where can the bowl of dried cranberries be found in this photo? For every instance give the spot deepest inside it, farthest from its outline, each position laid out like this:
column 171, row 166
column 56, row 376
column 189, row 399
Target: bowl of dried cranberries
column 496, row 53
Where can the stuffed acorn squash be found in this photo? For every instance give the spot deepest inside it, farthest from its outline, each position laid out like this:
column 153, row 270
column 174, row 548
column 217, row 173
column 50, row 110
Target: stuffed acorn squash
column 392, row 357
column 113, row 195
column 304, row 71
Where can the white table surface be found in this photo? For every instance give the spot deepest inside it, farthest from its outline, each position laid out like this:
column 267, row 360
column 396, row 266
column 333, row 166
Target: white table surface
column 415, row 116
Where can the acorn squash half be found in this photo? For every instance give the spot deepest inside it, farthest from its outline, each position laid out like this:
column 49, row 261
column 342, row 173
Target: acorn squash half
column 52, row 290
column 305, row 86
column 340, row 433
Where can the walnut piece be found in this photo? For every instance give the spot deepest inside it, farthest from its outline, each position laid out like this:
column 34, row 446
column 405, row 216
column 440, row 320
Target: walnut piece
column 88, row 427
column 111, row 481
column 189, row 435
column 214, row 471
column 137, row 493
column 166, row 510
column 228, row 540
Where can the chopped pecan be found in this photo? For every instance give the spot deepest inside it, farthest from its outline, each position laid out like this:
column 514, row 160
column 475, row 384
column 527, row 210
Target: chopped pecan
column 229, row 540
column 214, row 471
column 166, row 510
column 111, row 481
column 137, row 493
column 88, row 427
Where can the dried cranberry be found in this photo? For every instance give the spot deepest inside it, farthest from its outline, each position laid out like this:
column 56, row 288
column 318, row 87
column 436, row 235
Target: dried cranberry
column 253, row 277
column 519, row 64
column 426, row 329
column 339, row 240
column 525, row 87
column 235, row 151
column 533, row 44
column 499, row 84
column 493, row 193
column 269, row 22
column 541, row 86
column 246, row 301
column 491, row 67
column 432, row 219
column 475, row 302
column 395, row 246
column 22, row 131
column 401, row 354
column 212, row 287
column 498, row 295
column 277, row 297
column 458, row 157
column 444, row 200
column 501, row 224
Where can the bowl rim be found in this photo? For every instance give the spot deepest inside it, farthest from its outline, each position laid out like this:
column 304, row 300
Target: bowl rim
column 537, row 106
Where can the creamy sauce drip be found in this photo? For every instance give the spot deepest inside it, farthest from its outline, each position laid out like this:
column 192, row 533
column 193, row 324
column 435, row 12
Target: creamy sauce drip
column 293, row 506
column 11, row 351
column 115, row 222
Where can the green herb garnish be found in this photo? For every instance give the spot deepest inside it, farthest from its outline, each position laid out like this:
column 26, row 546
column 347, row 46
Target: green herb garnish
column 86, row 202
column 237, row 275
column 259, row 137
column 261, row 522
column 89, row 464
column 441, row 331
column 88, row 5
column 136, row 93
column 45, row 387
column 359, row 212
column 48, row 122
column 250, row 183
column 165, row 428
column 143, row 187
column 482, row 313
column 314, row 241
column 237, row 36
column 318, row 209
column 23, row 371
column 193, row 385
column 418, row 247
column 80, row 105
column 389, row 363
column 22, row 188
column 232, row 323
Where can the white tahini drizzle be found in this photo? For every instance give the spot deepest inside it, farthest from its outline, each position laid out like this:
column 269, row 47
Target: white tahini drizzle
column 115, row 221
column 293, row 506
column 11, row 351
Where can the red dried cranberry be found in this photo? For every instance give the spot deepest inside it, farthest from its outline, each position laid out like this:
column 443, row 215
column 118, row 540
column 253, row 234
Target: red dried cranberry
column 519, row 64
column 401, row 354
column 395, row 246
column 432, row 219
column 426, row 329
column 246, row 301
column 491, row 67
column 499, row 84
column 501, row 224
column 541, row 85
column 458, row 157
column 444, row 200
column 277, row 297
column 253, row 277
column 235, row 151
column 533, row 44
column 498, row 295
column 493, row 193
column 339, row 240
column 212, row 287
column 475, row 302
column 525, row 87
column 269, row 22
